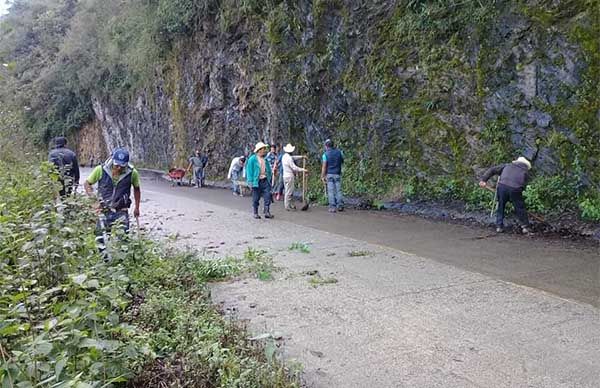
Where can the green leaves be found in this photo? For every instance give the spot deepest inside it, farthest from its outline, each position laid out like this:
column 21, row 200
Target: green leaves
column 67, row 319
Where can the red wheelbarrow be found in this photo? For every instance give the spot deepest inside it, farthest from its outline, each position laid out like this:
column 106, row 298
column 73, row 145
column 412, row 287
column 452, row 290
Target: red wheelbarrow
column 176, row 175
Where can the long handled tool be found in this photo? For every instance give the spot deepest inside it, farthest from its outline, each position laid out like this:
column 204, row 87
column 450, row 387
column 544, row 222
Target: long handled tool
column 139, row 228
column 304, row 201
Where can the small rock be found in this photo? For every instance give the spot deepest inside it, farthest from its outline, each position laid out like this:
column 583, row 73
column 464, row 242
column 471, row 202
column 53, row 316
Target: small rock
column 260, row 337
column 277, row 336
column 316, row 353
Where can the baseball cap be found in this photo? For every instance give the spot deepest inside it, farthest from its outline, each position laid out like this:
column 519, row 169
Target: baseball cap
column 120, row 157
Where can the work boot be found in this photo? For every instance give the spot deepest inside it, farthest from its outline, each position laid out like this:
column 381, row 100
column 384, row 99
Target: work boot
column 256, row 216
column 268, row 214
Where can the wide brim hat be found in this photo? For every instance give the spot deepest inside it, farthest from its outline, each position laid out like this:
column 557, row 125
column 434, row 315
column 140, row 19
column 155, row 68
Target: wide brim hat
column 289, row 148
column 524, row 161
column 259, row 146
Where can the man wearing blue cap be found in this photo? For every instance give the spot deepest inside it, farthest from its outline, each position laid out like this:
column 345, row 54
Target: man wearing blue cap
column 115, row 179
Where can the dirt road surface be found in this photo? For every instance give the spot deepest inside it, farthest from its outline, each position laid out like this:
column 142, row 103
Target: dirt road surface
column 387, row 300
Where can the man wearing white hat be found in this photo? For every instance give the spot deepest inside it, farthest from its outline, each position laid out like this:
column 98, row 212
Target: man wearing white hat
column 258, row 176
column 512, row 182
column 289, row 170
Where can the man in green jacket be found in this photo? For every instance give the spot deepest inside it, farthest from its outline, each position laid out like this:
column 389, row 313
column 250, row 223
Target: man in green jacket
column 258, row 176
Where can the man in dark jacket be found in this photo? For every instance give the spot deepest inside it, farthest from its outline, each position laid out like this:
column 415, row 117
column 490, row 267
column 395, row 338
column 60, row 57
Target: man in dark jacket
column 331, row 174
column 66, row 163
column 512, row 182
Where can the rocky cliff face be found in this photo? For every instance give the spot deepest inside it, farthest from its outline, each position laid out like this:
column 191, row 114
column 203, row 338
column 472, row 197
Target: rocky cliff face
column 412, row 90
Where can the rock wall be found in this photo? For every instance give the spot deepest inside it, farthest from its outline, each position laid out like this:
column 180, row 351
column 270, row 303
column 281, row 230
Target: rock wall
column 91, row 144
column 411, row 89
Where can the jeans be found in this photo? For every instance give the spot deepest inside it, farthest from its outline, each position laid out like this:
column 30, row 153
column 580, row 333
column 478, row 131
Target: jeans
column 334, row 191
column 199, row 176
column 105, row 223
column 235, row 177
column 112, row 218
column 289, row 192
column 507, row 194
column 280, row 184
column 263, row 190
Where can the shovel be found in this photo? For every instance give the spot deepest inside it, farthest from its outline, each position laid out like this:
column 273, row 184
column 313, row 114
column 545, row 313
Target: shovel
column 304, row 201
column 139, row 228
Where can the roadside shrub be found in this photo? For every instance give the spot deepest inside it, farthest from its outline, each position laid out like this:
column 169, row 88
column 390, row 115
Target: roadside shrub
column 68, row 319
column 590, row 208
column 551, row 195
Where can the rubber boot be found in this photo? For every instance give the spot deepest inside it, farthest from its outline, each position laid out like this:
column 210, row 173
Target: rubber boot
column 268, row 213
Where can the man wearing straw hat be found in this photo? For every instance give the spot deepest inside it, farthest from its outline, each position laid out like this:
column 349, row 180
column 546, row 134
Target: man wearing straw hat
column 289, row 170
column 512, row 182
column 258, row 176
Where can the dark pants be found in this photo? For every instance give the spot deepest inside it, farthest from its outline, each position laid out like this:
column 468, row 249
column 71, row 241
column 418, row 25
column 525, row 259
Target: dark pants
column 67, row 187
column 199, row 176
column 280, row 185
column 515, row 196
column 263, row 190
column 112, row 218
column 104, row 226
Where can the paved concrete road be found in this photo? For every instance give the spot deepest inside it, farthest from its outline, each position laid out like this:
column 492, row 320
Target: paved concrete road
column 415, row 303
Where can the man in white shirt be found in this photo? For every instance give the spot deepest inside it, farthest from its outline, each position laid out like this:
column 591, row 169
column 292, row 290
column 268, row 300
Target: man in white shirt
column 235, row 173
column 289, row 170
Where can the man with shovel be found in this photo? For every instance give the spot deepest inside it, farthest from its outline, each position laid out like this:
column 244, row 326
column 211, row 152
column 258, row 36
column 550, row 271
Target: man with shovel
column 289, row 171
column 512, row 182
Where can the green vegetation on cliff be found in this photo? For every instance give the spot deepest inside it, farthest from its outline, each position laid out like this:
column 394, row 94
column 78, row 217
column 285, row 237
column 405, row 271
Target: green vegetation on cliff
column 422, row 95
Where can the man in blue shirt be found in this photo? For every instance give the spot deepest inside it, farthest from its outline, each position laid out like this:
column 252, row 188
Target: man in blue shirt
column 258, row 176
column 331, row 173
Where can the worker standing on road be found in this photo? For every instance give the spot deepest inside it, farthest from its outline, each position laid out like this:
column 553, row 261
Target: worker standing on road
column 198, row 162
column 235, row 173
column 289, row 171
column 513, row 179
column 279, row 187
column 331, row 174
column 258, row 176
column 271, row 158
column 67, row 165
